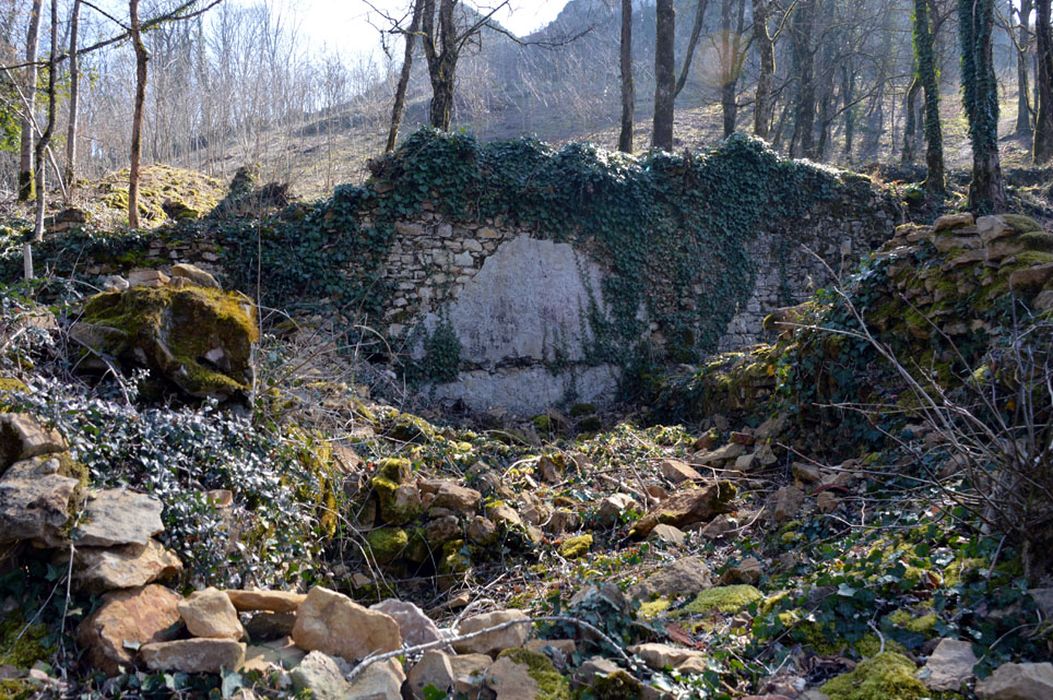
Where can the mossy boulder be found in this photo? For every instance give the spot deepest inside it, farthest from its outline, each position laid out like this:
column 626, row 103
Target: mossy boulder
column 198, row 339
column 575, row 547
column 551, row 685
column 726, row 599
column 388, row 543
column 887, row 675
column 398, row 500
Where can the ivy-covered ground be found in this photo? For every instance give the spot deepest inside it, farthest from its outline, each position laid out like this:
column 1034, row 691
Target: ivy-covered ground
column 809, row 516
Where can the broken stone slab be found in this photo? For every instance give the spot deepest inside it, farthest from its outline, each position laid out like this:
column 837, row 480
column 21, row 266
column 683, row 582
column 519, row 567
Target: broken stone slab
column 683, row 577
column 271, row 601
column 461, row 674
column 146, row 277
column 786, row 503
column 194, row 655
column 451, row 495
column 324, row 677
column 717, row 457
column 677, row 471
column 949, row 667
column 281, row 653
column 23, row 437
column 509, row 680
column 668, row 535
column 493, row 642
column 125, row 620
column 35, row 501
column 1027, row 681
column 98, row 570
column 268, row 626
column 114, row 517
column 209, row 613
column 612, row 508
column 661, row 656
column 195, row 275
column 414, row 626
column 332, row 623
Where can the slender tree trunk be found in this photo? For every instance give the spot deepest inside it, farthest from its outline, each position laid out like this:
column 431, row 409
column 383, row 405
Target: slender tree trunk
column 25, row 161
column 442, row 64
column 848, row 90
column 762, row 107
column 141, row 57
column 1043, row 143
column 45, row 135
column 980, row 98
column 404, row 77
column 625, row 138
column 665, row 75
column 910, row 125
column 74, row 103
column 924, row 49
column 1023, row 101
column 730, row 63
column 804, row 64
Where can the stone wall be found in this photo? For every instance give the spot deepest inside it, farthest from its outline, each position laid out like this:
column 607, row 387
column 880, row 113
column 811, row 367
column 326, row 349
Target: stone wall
column 519, row 305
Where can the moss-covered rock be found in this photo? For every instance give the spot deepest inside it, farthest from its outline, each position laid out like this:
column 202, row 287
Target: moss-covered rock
column 887, row 675
column 574, row 547
column 388, row 543
column 199, row 339
column 550, row 684
column 398, row 500
column 726, row 599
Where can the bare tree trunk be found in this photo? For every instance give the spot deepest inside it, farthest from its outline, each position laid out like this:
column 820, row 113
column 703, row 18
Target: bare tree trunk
column 729, row 64
column 665, row 75
column 404, row 77
column 924, row 47
column 1043, row 143
column 910, row 126
column 442, row 65
column 625, row 138
column 25, row 162
column 804, row 64
column 848, row 91
column 74, row 103
column 762, row 106
column 45, row 136
column 1023, row 101
column 141, row 57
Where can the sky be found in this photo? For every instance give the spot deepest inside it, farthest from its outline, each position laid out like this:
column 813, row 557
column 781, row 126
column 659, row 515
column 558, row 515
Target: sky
column 344, row 25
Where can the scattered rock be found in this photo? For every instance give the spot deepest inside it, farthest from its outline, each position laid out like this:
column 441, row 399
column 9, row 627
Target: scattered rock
column 145, row 277
column 209, row 613
column 786, row 503
column 717, row 457
column 719, row 526
column 323, row 676
column 194, row 655
column 482, row 531
column 35, row 498
column 683, row 577
column 115, row 517
column 452, row 496
column 668, row 535
column 661, row 656
column 272, row 601
column 23, row 437
column 99, row 570
column 749, row 570
column 806, row 473
column 126, row 619
column 520, row 674
column 462, row 674
column 677, row 471
column 612, row 507
column 414, row 626
column 689, row 508
column 281, row 654
column 195, row 275
column 333, row 623
column 1026, row 681
column 827, row 502
column 492, row 642
column 950, row 666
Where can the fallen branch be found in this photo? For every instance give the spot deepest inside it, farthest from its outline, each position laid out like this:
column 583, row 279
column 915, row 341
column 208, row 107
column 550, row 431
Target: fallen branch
column 374, row 658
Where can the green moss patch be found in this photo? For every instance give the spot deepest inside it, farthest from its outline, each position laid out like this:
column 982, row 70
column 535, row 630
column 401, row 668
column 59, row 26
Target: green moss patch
column 725, row 599
column 574, row 547
column 551, row 685
column 176, row 329
column 388, row 543
column 885, row 676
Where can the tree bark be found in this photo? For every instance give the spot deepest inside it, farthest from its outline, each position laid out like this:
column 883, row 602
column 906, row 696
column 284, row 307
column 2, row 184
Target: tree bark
column 442, row 62
column 762, row 109
column 980, row 98
column 74, row 103
column 45, row 135
column 848, row 90
column 404, row 77
column 141, row 57
column 730, row 62
column 625, row 138
column 665, row 75
column 25, row 161
column 1042, row 147
column 924, row 49
column 910, row 124
column 1023, row 98
column 803, row 141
